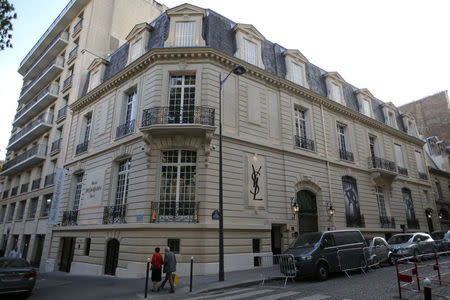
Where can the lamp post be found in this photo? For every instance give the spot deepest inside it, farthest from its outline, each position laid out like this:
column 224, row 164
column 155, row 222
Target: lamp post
column 238, row 70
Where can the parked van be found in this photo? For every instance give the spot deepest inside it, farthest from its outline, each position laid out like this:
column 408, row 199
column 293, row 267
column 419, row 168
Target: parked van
column 316, row 253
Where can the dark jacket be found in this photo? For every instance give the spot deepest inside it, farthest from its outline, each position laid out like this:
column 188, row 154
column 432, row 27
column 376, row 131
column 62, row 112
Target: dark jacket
column 170, row 262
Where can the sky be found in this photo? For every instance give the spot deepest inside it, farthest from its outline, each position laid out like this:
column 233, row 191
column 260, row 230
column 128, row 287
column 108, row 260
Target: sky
column 399, row 50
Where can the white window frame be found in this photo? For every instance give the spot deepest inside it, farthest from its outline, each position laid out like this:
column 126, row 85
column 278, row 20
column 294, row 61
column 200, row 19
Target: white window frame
column 122, row 183
column 336, row 92
column 136, row 50
column 342, row 137
column 383, row 202
column 398, row 153
column 250, row 52
column 86, row 129
column 301, row 122
column 78, row 185
column 95, row 81
column 185, row 34
column 130, row 110
column 298, row 74
column 419, row 162
column 366, row 108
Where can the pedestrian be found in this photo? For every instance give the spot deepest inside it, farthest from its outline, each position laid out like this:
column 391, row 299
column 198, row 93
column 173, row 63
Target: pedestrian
column 170, row 266
column 15, row 253
column 157, row 261
column 295, row 235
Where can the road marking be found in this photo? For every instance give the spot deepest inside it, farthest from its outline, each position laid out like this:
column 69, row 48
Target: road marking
column 279, row 296
column 315, row 297
column 244, row 295
column 221, row 294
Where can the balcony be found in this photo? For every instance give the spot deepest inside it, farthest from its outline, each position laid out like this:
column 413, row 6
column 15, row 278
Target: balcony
column 77, row 27
column 175, row 211
column 72, row 54
column 56, row 146
column 304, row 143
column 125, row 129
column 382, row 171
column 413, row 224
column 36, row 184
column 14, row 191
column 70, row 218
column 5, row 194
column 41, row 101
column 62, row 112
column 423, row 176
column 115, row 214
column 67, row 83
column 387, row 222
column 402, row 171
column 346, row 155
column 194, row 120
column 53, row 48
column 24, row 188
column 49, row 180
column 29, row 158
column 355, row 222
column 42, row 80
column 81, row 148
column 34, row 129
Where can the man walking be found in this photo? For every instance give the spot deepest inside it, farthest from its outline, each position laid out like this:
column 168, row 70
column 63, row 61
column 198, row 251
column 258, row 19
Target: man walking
column 15, row 253
column 170, row 266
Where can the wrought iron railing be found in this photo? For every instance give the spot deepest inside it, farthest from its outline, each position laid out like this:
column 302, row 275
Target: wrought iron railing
column 73, row 53
column 413, row 224
column 402, row 171
column 346, row 155
column 67, row 82
column 56, row 145
column 387, row 222
column 5, row 194
column 70, row 218
column 35, row 150
column 77, row 26
column 82, row 147
column 115, row 214
column 62, row 112
column 51, row 88
column 125, row 128
column 355, row 221
column 59, row 61
column 381, row 163
column 423, row 176
column 24, row 187
column 303, row 142
column 49, row 179
column 43, row 118
column 36, row 184
column 202, row 115
column 14, row 191
column 174, row 211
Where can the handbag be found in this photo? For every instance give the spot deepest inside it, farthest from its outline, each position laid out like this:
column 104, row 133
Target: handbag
column 153, row 268
column 175, row 279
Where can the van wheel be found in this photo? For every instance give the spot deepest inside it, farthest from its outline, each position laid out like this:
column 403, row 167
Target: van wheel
column 322, row 272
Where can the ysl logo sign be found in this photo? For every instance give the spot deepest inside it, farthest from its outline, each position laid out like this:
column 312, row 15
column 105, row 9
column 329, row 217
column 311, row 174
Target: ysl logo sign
column 255, row 179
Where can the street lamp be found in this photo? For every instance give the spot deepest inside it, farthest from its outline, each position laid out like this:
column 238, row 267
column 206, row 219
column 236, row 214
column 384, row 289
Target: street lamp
column 238, row 70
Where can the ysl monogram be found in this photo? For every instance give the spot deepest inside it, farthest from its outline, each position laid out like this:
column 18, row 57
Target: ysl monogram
column 255, row 179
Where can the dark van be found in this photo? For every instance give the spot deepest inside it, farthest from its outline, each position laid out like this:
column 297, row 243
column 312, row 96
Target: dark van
column 316, row 253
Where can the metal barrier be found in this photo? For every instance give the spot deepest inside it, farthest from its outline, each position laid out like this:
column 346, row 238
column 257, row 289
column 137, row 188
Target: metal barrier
column 275, row 266
column 352, row 259
column 412, row 270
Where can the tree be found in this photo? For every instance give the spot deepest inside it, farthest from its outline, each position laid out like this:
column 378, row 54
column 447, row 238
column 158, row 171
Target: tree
column 6, row 15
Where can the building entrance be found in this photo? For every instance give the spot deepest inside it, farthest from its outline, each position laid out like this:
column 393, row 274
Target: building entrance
column 112, row 256
column 276, row 239
column 68, row 247
column 307, row 212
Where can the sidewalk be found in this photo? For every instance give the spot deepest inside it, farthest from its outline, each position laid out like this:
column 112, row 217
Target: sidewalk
column 204, row 283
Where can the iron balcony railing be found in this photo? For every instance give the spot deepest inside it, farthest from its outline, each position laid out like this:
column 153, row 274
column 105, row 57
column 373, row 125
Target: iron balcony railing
column 201, row 115
column 345, row 155
column 413, row 224
column 59, row 61
column 304, row 142
column 67, row 82
column 356, row 222
column 62, row 112
column 56, row 145
column 402, row 171
column 70, row 218
column 45, row 50
column 77, row 26
column 81, row 148
column 52, row 88
column 73, row 53
column 175, row 211
column 5, row 194
column 35, row 150
column 124, row 129
column 43, row 118
column 24, row 188
column 14, row 191
column 381, row 163
column 49, row 180
column 387, row 222
column 115, row 214
column 36, row 184
column 423, row 176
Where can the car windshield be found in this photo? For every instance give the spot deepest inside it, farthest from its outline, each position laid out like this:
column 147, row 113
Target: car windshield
column 307, row 240
column 438, row 235
column 9, row 263
column 400, row 239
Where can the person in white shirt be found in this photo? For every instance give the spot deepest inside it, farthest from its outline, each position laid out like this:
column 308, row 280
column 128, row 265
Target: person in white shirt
column 15, row 253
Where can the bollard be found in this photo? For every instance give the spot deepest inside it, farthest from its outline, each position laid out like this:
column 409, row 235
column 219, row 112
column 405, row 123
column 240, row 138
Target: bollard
column 192, row 267
column 427, row 289
column 146, row 278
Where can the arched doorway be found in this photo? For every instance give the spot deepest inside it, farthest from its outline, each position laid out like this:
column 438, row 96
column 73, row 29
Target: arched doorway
column 112, row 256
column 307, row 213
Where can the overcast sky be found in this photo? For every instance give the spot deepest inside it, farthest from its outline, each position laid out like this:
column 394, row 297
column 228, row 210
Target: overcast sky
column 399, row 50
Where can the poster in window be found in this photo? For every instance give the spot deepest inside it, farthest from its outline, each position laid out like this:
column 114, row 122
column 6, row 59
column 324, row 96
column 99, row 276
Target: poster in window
column 409, row 206
column 351, row 199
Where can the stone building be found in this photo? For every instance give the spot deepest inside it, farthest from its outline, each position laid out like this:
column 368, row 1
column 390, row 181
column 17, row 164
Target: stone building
column 142, row 160
column 54, row 72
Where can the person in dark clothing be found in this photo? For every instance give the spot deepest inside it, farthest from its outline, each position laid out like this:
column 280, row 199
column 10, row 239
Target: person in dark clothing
column 156, row 262
column 170, row 266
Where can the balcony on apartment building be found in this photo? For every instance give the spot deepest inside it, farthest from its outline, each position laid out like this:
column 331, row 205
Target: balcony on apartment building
column 344, row 154
column 36, row 128
column 77, row 27
column 27, row 159
column 72, row 54
column 402, row 171
column 41, row 80
column 53, row 48
column 82, row 147
column 41, row 101
column 36, row 184
column 67, row 83
column 49, row 179
column 189, row 120
column 24, row 187
column 114, row 214
column 304, row 143
column 382, row 170
column 56, row 146
column 62, row 112
column 70, row 218
column 125, row 129
column 423, row 176
column 174, row 211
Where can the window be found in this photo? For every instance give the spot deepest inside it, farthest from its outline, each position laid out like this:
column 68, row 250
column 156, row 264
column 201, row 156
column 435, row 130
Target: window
column 420, row 167
column 399, row 155
column 382, row 201
column 131, row 107
column 33, row 207
column 136, row 50
column 177, row 188
column 47, row 203
column 128, row 116
column 351, row 200
column 77, row 191
column 12, row 208
column 373, row 146
column 336, row 93
column 182, row 99
column 439, row 189
column 86, row 131
column 297, row 72
column 343, row 144
column 250, row 52
column 411, row 128
column 409, row 208
column 21, row 210
column 366, row 108
column 256, row 245
column 122, row 181
column 95, row 80
column 174, row 245
column 391, row 120
column 184, row 34
column 302, row 129
column 2, row 213
column 87, row 246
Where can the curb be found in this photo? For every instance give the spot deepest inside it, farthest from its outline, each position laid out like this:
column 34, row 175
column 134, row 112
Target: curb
column 226, row 286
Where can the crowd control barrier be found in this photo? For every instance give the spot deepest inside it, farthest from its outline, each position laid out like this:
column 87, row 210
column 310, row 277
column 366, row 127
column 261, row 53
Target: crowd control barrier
column 275, row 267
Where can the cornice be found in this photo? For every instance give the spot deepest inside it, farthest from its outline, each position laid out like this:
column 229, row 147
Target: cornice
column 164, row 55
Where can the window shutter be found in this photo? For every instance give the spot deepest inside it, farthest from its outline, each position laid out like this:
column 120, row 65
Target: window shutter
column 184, row 34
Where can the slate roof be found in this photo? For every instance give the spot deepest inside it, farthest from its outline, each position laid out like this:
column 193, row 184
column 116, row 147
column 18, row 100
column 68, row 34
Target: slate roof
column 218, row 33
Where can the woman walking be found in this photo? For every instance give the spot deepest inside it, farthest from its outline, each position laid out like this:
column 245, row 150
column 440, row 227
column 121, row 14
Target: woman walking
column 156, row 268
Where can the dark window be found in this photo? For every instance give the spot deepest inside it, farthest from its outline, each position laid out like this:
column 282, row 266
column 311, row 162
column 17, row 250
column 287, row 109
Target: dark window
column 256, row 245
column 87, row 247
column 330, row 241
column 174, row 245
column 349, row 237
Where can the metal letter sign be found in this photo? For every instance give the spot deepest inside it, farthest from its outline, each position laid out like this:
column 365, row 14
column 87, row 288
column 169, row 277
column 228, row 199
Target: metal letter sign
column 54, row 210
column 255, row 179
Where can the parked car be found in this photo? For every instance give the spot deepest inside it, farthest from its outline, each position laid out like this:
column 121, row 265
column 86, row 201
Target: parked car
column 16, row 276
column 316, row 253
column 379, row 251
column 411, row 244
column 442, row 244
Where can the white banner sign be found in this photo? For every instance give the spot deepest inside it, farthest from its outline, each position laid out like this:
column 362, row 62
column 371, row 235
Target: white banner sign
column 54, row 210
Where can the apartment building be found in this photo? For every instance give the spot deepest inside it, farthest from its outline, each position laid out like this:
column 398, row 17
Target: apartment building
column 303, row 150
column 54, row 72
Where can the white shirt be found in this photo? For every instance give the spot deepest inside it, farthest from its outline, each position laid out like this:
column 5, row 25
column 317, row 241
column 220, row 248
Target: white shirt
column 15, row 254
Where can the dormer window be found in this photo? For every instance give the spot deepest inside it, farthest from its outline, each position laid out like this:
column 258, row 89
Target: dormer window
column 295, row 67
column 136, row 39
column 297, row 74
column 336, row 93
column 136, row 50
column 185, row 34
column 391, row 119
column 186, row 23
column 410, row 124
column 250, row 52
column 97, row 69
column 248, row 44
column 334, row 83
column 389, row 114
column 95, row 79
column 365, row 101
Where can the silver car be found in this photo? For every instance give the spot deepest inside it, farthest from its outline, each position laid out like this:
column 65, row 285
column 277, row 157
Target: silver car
column 16, row 276
column 379, row 251
column 411, row 244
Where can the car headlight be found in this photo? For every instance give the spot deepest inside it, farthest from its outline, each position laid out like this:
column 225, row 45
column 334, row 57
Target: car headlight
column 305, row 257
